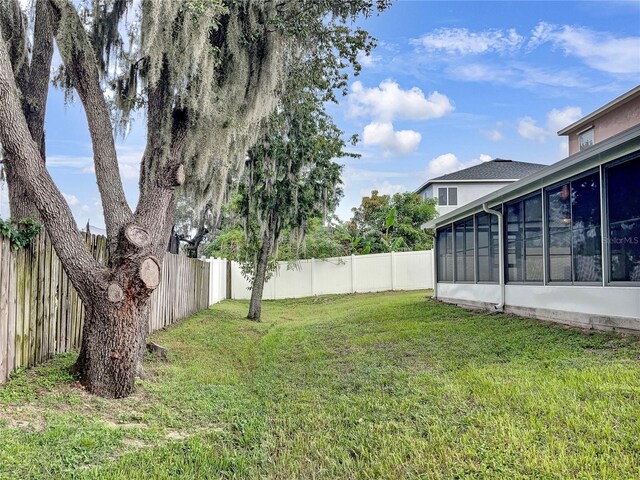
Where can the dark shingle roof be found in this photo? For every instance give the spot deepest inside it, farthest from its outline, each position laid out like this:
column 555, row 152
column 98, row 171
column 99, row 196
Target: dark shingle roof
column 497, row 169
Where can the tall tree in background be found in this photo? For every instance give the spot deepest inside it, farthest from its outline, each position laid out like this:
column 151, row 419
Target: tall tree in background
column 384, row 223
column 206, row 73
column 289, row 179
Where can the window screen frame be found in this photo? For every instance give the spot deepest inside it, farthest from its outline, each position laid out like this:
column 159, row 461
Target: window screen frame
column 450, row 231
column 493, row 221
column 547, row 253
column 606, row 251
column 505, row 211
column 467, row 258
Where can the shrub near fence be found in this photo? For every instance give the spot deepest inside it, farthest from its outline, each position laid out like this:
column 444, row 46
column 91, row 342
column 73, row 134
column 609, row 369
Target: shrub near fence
column 41, row 314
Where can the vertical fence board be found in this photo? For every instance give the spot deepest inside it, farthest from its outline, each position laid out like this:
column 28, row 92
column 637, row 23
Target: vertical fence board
column 11, row 327
column 4, row 308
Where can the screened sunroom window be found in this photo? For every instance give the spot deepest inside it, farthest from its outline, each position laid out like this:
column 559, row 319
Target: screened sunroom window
column 444, row 246
column 524, row 240
column 623, row 200
column 464, row 247
column 573, row 221
column 488, row 247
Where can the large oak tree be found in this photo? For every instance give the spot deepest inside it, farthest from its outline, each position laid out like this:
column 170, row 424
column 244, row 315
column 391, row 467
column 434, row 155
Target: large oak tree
column 205, row 73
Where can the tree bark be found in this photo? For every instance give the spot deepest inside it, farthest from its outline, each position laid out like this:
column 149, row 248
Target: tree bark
column 113, row 345
column 255, row 306
column 33, row 82
column 115, row 324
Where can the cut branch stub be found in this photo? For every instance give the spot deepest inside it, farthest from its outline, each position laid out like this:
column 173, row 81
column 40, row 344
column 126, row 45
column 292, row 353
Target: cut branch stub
column 180, row 175
column 115, row 293
column 137, row 236
column 150, row 272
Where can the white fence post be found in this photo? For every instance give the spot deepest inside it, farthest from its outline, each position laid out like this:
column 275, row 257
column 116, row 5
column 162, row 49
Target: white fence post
column 353, row 274
column 313, row 283
column 393, row 270
column 275, row 283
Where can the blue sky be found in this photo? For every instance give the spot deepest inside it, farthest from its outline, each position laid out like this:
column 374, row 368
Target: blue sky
column 451, row 84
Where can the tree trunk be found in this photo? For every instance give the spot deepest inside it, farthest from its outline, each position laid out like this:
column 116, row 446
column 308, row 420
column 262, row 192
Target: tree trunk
column 255, row 307
column 113, row 345
column 33, row 80
column 20, row 204
column 116, row 295
column 174, row 242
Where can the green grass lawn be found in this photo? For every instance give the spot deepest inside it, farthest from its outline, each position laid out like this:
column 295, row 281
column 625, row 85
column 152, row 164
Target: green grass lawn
column 384, row 385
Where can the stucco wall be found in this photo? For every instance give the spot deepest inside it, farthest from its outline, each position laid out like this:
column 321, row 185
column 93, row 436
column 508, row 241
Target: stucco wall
column 586, row 306
column 611, row 123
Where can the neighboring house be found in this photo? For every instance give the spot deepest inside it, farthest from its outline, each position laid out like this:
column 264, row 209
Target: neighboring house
column 459, row 188
column 613, row 118
column 562, row 244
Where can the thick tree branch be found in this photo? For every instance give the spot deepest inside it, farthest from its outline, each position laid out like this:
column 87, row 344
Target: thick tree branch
column 33, row 81
column 26, row 162
column 81, row 64
column 162, row 169
column 36, row 88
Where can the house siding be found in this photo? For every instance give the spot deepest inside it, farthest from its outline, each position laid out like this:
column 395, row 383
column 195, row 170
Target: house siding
column 609, row 124
column 467, row 192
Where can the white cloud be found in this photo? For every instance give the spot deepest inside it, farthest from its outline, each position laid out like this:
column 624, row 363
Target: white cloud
column 443, row 164
column 599, row 50
column 388, row 102
column 402, row 142
column 528, row 129
column 72, row 200
column 495, row 135
column 367, row 60
column 129, row 172
column 559, row 119
column 449, row 162
column 128, row 160
column 563, row 147
column 463, row 42
column 384, row 188
column 517, row 75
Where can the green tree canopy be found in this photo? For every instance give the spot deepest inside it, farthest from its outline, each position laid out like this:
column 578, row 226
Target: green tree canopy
column 384, row 223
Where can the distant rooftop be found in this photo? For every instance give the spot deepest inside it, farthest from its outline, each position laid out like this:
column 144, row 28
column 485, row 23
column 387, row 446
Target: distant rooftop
column 497, row 169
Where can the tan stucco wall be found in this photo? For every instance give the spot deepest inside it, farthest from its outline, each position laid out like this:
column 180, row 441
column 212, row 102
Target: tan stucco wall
column 616, row 121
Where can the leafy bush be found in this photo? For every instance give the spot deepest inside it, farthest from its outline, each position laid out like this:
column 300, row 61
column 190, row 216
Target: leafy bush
column 20, row 231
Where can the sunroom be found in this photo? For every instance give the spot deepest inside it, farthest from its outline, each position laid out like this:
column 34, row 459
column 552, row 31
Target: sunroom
column 562, row 244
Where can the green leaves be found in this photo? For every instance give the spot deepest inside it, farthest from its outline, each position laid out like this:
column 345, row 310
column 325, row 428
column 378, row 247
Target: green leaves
column 392, row 224
column 20, row 232
column 390, row 221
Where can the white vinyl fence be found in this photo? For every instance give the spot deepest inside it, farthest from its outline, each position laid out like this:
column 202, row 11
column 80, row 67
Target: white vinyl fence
column 217, row 280
column 361, row 273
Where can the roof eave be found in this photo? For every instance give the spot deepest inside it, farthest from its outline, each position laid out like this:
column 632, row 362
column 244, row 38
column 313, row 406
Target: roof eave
column 498, row 196
column 616, row 102
column 474, row 180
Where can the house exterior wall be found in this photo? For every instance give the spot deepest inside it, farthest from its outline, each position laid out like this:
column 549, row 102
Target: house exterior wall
column 467, row 192
column 603, row 308
column 609, row 124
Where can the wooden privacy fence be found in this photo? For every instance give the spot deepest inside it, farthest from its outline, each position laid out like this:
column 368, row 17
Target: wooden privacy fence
column 41, row 314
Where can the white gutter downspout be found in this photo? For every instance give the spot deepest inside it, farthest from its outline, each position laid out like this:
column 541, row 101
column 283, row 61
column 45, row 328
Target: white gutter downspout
column 499, row 306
